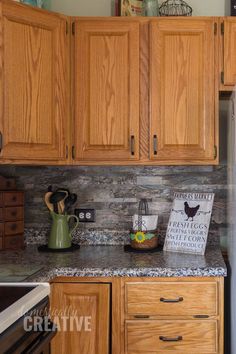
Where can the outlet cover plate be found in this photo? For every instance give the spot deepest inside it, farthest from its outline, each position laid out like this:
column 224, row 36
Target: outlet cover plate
column 85, row 215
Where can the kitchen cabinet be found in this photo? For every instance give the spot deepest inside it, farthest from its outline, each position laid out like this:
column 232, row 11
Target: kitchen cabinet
column 87, row 330
column 147, row 314
column 173, row 315
column 228, row 53
column 33, row 85
column 183, row 121
column 106, row 100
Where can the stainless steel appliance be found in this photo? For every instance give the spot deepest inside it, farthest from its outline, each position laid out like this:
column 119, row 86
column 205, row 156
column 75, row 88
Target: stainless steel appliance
column 20, row 302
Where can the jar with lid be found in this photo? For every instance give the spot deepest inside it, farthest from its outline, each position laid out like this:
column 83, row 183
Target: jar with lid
column 151, row 8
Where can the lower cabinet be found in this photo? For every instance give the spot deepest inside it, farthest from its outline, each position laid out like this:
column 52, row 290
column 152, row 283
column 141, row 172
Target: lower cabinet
column 138, row 315
column 81, row 312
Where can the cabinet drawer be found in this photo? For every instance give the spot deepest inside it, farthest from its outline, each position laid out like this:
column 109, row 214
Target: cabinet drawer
column 14, row 228
column 146, row 337
column 13, row 213
column 171, row 298
column 13, row 242
column 13, row 198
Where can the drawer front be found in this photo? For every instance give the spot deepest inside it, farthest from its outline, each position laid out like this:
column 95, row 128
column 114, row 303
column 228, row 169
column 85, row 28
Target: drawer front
column 171, row 298
column 14, row 228
column 13, row 213
column 146, row 337
column 13, row 198
column 13, row 242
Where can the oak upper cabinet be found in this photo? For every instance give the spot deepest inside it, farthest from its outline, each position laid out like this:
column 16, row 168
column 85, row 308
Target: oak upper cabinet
column 228, row 53
column 87, row 329
column 33, row 85
column 183, row 122
column 106, row 102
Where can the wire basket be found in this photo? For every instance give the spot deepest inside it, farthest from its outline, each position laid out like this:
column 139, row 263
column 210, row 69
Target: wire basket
column 175, row 8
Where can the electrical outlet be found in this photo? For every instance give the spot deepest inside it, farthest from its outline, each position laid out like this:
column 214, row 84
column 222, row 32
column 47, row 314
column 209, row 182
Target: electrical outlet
column 85, row 215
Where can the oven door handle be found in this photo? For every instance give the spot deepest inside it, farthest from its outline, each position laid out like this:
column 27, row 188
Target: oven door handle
column 42, row 341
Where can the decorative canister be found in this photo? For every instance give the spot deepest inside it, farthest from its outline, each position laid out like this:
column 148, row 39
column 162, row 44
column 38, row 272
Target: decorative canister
column 144, row 233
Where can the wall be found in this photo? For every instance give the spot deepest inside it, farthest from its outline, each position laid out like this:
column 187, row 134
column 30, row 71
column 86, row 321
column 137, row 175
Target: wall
column 115, row 192
column 105, row 7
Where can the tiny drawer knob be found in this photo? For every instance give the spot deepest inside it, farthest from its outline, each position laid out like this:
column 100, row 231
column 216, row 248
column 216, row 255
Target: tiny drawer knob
column 13, row 227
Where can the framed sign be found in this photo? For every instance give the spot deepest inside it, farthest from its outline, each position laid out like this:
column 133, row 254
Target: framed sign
column 189, row 222
column 131, row 7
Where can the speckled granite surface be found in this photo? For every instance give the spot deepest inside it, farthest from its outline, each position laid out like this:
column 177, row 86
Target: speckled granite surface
column 112, row 261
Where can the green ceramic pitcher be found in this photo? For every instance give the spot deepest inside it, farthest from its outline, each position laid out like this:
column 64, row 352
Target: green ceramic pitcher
column 60, row 235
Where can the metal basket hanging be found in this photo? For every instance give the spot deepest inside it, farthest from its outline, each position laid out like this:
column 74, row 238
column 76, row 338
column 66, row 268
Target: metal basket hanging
column 175, row 8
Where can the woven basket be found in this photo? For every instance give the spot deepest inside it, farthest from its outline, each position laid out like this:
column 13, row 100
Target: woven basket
column 147, row 244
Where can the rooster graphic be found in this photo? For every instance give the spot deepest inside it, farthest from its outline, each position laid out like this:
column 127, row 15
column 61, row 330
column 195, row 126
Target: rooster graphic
column 190, row 212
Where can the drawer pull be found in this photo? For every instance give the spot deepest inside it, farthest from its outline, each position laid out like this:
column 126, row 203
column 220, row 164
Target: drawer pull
column 132, row 145
column 13, row 227
column 141, row 316
column 179, row 299
column 14, row 198
column 13, row 213
column 168, row 339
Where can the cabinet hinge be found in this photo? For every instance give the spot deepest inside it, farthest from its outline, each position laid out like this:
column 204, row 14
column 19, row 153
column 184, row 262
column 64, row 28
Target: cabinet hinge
column 215, row 28
column 222, row 77
column 73, row 28
column 67, row 151
column 1, row 141
column 73, row 152
column 222, row 28
column 67, row 27
column 215, row 152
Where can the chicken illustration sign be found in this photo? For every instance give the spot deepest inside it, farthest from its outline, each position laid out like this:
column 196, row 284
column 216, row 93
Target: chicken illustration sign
column 189, row 222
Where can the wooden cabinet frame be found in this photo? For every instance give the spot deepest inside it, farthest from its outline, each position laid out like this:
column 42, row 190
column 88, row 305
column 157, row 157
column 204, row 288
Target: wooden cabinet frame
column 119, row 303
column 142, row 157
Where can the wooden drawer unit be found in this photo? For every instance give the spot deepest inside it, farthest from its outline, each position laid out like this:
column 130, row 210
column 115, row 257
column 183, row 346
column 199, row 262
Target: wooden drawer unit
column 173, row 315
column 171, row 299
column 13, row 198
column 11, row 219
column 179, row 336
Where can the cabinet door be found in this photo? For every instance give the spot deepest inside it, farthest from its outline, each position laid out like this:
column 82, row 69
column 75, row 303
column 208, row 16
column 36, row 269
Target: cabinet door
column 82, row 314
column 229, row 51
column 182, row 97
column 33, row 104
column 106, row 90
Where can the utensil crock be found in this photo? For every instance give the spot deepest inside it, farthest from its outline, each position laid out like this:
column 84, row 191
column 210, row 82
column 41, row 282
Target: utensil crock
column 61, row 235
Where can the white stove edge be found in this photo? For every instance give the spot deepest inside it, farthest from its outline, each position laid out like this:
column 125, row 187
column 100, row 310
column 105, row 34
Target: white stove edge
column 24, row 304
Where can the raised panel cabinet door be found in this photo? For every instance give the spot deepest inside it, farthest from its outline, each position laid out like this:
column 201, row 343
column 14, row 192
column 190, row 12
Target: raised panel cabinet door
column 106, row 90
column 33, row 77
column 229, row 51
column 182, row 91
column 81, row 312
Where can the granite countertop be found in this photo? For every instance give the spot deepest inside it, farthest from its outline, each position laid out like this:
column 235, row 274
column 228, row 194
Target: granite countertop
column 112, row 261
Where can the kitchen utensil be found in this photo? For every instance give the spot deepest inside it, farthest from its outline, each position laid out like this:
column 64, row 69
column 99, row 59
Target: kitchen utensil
column 70, row 200
column 61, row 236
column 47, row 202
column 55, row 198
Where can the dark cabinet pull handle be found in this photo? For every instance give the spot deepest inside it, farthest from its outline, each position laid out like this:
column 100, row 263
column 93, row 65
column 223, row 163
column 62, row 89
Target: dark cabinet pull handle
column 14, row 213
column 174, row 339
column 141, row 316
column 132, row 145
column 14, row 198
column 179, row 299
column 155, row 144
